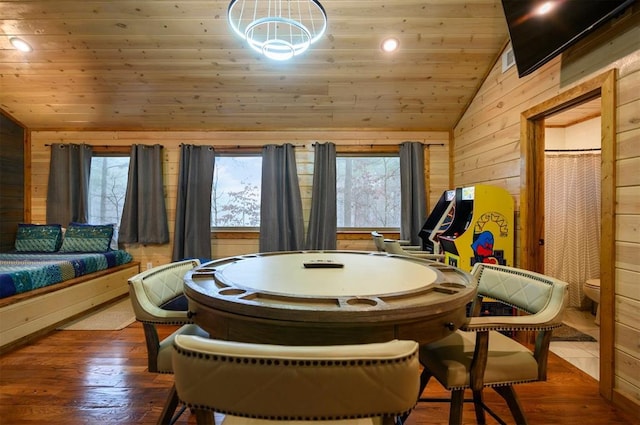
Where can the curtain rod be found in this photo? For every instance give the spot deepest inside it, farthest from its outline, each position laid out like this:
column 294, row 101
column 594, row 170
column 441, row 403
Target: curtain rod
column 239, row 146
column 573, row 150
column 374, row 145
column 100, row 146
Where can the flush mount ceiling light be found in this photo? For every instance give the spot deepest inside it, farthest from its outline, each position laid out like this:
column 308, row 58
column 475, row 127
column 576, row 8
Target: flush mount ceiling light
column 279, row 29
column 20, row 44
column 390, row 44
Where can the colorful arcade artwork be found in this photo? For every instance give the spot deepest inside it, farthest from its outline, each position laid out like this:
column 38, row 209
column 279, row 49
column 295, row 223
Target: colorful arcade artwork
column 482, row 228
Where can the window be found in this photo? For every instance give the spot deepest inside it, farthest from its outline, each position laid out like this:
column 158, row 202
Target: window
column 235, row 197
column 107, row 188
column 368, row 191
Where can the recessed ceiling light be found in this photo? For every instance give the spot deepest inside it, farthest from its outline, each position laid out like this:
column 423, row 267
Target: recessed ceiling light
column 390, row 44
column 20, row 44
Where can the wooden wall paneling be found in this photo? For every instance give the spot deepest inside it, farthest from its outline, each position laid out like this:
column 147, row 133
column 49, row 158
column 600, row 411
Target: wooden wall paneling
column 629, row 144
column 627, row 200
column 629, row 339
column 627, row 85
column 437, row 177
column 626, row 285
column 27, row 178
column 627, row 169
column 628, row 228
column 12, row 180
column 627, row 254
column 497, row 107
column 627, row 375
column 627, row 116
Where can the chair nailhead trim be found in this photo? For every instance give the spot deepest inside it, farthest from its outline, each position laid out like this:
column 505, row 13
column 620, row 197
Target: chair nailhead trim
column 497, row 384
column 514, row 328
column 291, row 362
column 294, row 418
column 164, row 322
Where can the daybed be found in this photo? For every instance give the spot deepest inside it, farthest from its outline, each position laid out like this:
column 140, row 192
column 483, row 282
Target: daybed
column 42, row 288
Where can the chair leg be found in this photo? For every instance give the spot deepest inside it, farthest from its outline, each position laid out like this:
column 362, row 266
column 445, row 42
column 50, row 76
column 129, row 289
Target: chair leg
column 478, row 404
column 169, row 407
column 425, row 376
column 510, row 396
column 204, row 417
column 455, row 411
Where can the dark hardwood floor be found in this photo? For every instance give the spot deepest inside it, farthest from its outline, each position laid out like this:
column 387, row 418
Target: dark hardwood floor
column 100, row 377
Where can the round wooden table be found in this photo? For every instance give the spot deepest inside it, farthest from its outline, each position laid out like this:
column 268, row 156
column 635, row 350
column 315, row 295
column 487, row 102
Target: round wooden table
column 328, row 297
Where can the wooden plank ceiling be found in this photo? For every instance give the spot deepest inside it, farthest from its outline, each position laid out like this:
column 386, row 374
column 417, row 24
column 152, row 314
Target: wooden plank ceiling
column 159, row 65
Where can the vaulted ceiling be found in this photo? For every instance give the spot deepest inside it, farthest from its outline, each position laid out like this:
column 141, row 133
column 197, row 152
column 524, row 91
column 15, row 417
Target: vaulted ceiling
column 172, row 64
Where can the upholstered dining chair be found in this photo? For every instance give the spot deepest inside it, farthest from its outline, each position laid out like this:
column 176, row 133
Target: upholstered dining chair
column 378, row 240
column 153, row 294
column 260, row 384
column 480, row 354
column 393, row 247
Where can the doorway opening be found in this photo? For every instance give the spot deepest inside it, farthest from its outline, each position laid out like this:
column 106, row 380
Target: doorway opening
column 572, row 227
column 532, row 200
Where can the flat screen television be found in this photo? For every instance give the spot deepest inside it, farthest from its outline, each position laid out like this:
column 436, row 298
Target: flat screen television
column 536, row 38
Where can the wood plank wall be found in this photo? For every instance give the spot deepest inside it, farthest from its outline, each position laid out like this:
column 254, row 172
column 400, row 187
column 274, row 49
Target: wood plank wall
column 486, row 149
column 11, row 181
column 436, row 151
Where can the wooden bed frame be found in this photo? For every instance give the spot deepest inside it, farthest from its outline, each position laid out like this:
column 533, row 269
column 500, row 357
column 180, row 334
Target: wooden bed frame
column 26, row 316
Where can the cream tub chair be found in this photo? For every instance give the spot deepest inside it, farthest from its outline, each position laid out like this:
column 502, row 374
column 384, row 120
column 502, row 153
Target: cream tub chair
column 478, row 355
column 259, row 384
column 150, row 292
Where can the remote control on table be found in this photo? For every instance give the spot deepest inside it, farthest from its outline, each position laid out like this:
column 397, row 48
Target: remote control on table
column 322, row 264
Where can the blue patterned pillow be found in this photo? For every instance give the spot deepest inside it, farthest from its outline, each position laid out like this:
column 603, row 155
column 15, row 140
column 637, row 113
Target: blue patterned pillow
column 38, row 237
column 87, row 238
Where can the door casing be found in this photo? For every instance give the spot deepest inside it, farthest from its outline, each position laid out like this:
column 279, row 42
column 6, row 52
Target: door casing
column 532, row 199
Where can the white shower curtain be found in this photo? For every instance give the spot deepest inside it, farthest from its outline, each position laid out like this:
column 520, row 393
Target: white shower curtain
column 572, row 220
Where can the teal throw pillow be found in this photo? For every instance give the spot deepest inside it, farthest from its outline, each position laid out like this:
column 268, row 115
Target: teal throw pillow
column 87, row 238
column 38, row 237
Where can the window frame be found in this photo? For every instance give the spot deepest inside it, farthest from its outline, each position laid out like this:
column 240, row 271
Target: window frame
column 98, row 151
column 236, row 232
column 364, row 151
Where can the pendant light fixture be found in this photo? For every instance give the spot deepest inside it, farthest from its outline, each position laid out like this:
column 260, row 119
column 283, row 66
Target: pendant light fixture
column 279, row 29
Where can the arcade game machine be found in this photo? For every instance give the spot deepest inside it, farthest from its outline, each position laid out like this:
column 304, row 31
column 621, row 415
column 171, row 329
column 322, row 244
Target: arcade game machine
column 482, row 228
column 438, row 221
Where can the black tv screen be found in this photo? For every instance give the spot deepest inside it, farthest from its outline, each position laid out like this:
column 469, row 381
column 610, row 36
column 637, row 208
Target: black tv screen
column 536, row 38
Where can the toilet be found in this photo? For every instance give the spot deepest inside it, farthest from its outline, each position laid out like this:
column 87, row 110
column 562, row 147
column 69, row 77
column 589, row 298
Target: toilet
column 591, row 289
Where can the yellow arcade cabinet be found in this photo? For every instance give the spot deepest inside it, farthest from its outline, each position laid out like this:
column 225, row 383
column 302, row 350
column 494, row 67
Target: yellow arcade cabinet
column 482, row 228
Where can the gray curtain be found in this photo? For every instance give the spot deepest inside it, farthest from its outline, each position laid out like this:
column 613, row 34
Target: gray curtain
column 322, row 230
column 68, row 186
column 281, row 223
column 192, row 235
column 412, row 193
column 144, row 215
